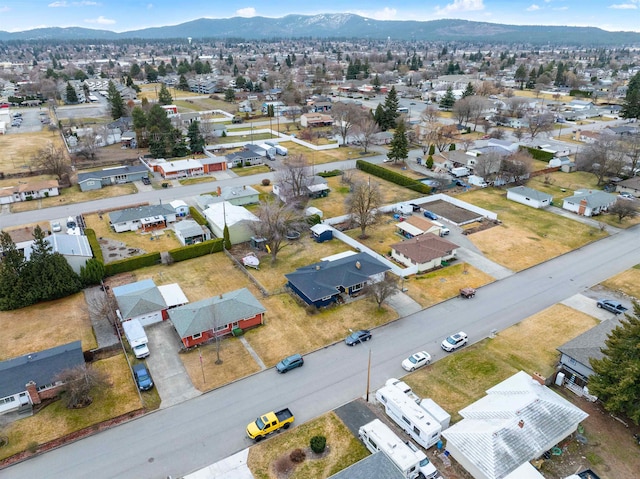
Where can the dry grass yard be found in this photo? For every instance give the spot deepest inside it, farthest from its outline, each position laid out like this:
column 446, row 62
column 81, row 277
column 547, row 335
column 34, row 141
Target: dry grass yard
column 343, row 449
column 562, row 185
column 56, row 420
column 527, row 236
column 442, row 284
column 627, row 282
column 462, row 378
column 326, row 156
column 46, row 325
column 17, row 150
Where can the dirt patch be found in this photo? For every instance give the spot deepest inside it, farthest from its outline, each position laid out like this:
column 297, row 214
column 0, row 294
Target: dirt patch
column 113, row 250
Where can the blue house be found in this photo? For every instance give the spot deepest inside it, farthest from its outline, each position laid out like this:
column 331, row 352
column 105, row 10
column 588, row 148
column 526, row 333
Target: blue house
column 331, row 281
column 95, row 180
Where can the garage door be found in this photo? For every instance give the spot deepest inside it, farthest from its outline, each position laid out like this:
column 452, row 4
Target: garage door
column 150, row 318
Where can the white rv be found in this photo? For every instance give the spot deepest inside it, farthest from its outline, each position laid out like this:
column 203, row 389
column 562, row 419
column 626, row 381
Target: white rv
column 280, row 150
column 137, row 338
column 377, row 436
column 415, row 421
column 404, row 387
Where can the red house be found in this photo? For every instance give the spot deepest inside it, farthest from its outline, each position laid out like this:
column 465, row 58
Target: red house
column 204, row 320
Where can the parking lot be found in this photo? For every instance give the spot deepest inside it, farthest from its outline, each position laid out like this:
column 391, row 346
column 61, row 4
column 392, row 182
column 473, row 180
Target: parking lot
column 28, row 120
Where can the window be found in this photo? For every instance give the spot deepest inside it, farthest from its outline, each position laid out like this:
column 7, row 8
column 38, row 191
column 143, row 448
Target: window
column 373, row 444
column 357, row 287
column 326, row 298
column 197, row 336
column 416, row 430
column 7, row 400
column 406, row 420
column 220, row 328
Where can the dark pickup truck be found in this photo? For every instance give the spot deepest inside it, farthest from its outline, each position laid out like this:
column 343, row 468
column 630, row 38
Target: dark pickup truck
column 610, row 305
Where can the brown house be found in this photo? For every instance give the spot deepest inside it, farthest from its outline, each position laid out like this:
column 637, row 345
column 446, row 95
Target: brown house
column 425, row 251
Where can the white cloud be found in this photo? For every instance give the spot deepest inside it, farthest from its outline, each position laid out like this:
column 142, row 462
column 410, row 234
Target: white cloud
column 624, row 6
column 246, row 12
column 559, row 9
column 385, row 14
column 533, row 8
column 65, row 4
column 58, row 4
column 461, row 6
column 100, row 20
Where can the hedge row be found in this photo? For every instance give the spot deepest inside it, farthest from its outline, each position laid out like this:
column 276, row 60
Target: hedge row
column 94, row 244
column 538, row 154
column 197, row 216
column 580, row 93
column 131, row 264
column 328, row 174
column 393, row 177
column 196, row 250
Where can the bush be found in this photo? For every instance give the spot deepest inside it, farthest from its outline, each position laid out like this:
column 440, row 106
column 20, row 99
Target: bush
column 328, row 174
column 131, row 264
column 393, row 176
column 297, row 456
column 266, row 182
column 313, row 220
column 430, row 162
column 196, row 250
column 452, row 147
column 432, row 150
column 197, row 216
column 538, row 154
column 318, row 444
column 94, row 244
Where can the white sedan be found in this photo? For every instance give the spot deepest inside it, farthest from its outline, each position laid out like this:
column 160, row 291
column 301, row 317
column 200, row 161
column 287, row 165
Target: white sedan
column 416, row 361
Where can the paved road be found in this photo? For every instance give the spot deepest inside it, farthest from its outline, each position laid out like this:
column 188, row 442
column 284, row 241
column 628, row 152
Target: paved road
column 200, row 431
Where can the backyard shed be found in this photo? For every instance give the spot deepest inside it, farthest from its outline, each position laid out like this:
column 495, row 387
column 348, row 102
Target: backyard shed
column 322, row 233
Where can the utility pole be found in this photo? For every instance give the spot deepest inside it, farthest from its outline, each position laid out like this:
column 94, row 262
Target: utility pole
column 368, row 375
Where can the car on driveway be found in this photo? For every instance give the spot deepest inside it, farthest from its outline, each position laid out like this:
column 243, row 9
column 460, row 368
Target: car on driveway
column 417, row 360
column 611, row 305
column 56, row 227
column 454, row 341
column 145, row 180
column 143, row 377
column 358, row 337
column 626, row 195
column 430, row 214
column 289, row 363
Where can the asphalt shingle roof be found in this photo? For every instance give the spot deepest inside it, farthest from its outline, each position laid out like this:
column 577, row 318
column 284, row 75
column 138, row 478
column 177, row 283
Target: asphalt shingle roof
column 376, row 466
column 322, row 279
column 530, row 193
column 40, row 367
column 205, row 315
column 425, row 248
column 132, row 214
column 586, row 346
column 136, row 299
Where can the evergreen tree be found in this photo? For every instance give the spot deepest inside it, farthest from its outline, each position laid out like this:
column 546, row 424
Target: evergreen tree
column 399, row 146
column 559, row 75
column 631, row 105
column 92, row 272
column 616, row 379
column 164, row 97
column 72, row 97
column 448, row 100
column 183, row 84
column 229, row 95
column 115, row 101
column 378, row 115
column 11, row 291
column 227, row 237
column 521, row 75
column 376, row 83
column 391, row 104
column 196, row 140
column 469, row 91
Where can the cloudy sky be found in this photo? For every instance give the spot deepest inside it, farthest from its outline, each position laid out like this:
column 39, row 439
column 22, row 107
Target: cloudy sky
column 124, row 15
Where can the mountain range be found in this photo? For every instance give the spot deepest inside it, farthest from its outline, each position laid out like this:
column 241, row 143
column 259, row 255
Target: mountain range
column 344, row 26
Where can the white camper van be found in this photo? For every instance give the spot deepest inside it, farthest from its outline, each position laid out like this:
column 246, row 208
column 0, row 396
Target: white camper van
column 134, row 332
column 377, row 436
column 415, row 421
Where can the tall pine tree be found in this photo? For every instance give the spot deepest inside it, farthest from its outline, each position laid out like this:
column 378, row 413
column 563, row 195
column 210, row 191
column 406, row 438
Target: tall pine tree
column 631, row 105
column 448, row 100
column 616, row 381
column 399, row 146
column 12, row 294
column 115, row 101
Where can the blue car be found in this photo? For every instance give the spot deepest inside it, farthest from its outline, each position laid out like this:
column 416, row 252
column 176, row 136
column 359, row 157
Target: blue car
column 289, row 363
column 358, row 337
column 143, row 378
column 430, row 214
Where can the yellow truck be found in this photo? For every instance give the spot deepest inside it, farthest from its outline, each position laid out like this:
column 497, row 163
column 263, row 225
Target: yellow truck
column 268, row 423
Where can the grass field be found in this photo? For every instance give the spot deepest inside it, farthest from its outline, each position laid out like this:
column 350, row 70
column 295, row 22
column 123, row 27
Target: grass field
column 627, row 282
column 527, row 236
column 16, row 150
column 46, row 325
column 55, row 420
column 462, row 378
column 343, row 450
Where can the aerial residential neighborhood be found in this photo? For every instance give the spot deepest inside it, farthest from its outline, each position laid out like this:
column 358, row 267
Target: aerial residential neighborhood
column 318, row 257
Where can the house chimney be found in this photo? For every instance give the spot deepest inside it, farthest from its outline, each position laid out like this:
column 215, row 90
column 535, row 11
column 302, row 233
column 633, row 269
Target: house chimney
column 32, row 390
column 219, row 190
column 521, row 424
column 536, row 376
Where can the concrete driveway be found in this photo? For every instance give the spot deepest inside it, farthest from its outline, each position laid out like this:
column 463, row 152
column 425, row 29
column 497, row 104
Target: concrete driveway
column 169, row 374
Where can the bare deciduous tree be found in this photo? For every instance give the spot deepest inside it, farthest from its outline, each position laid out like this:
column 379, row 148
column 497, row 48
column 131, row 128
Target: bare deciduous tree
column 382, row 290
column 602, row 158
column 103, row 305
column 293, row 179
column 541, row 123
column 623, row 208
column 363, row 203
column 53, row 160
column 345, row 117
column 516, row 167
column 487, row 165
column 462, row 110
column 276, row 220
column 366, row 130
column 78, row 384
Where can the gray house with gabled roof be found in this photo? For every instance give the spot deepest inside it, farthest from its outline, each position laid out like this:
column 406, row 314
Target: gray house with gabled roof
column 589, row 202
column 203, row 320
column 529, row 197
column 576, row 354
column 29, row 379
column 146, row 218
column 375, row 466
column 141, row 300
column 321, row 284
column 95, row 180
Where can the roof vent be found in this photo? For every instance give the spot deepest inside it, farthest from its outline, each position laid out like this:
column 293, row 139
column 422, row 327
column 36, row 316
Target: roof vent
column 317, row 267
column 358, row 265
column 521, row 424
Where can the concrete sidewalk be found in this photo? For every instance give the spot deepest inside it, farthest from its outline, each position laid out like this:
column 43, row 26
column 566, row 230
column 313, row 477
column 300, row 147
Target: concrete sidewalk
column 232, row 467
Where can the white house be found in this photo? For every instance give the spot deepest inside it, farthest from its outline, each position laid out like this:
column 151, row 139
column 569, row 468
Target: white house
column 589, row 202
column 237, row 219
column 529, row 197
column 181, row 208
column 145, row 218
column 190, row 232
column 74, row 248
column 517, row 421
column 426, row 251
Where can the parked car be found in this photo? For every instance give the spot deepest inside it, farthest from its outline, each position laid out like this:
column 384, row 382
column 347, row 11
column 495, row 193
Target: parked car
column 143, row 377
column 626, row 195
column 56, row 227
column 611, row 305
column 146, row 181
column 430, row 214
column 454, row 341
column 358, row 337
column 289, row 363
column 417, row 360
